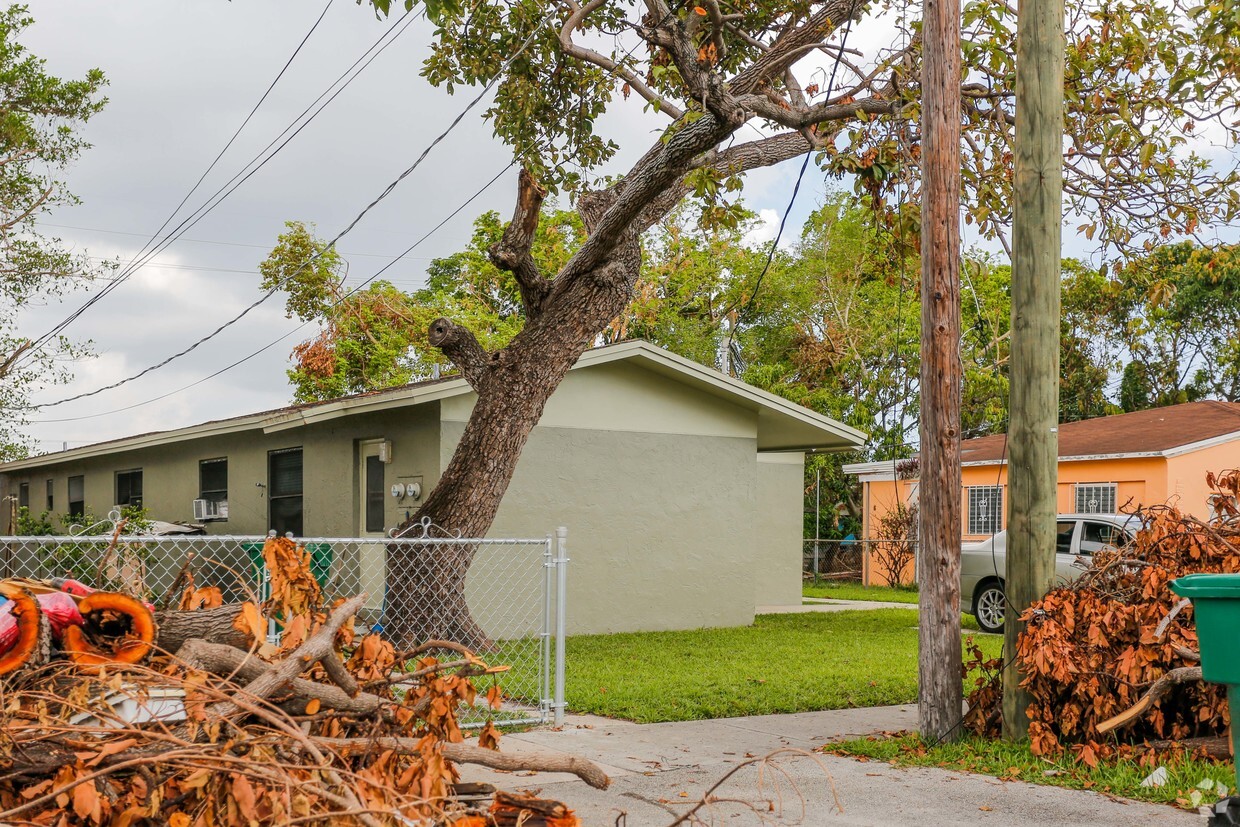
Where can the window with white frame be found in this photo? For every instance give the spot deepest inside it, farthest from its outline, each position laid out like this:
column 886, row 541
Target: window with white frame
column 1095, row 498
column 985, row 509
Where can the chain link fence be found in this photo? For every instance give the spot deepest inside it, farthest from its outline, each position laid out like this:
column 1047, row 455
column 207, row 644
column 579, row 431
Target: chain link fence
column 499, row 596
column 876, row 562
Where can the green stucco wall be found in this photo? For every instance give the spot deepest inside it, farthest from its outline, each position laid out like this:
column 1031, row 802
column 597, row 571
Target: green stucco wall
column 778, row 521
column 330, row 503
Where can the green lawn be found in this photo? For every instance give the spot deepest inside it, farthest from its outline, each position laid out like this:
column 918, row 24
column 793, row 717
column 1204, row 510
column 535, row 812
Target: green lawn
column 856, row 591
column 1015, row 761
column 783, row 663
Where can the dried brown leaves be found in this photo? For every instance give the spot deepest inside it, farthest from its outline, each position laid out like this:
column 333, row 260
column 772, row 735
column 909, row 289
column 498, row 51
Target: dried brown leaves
column 1092, row 648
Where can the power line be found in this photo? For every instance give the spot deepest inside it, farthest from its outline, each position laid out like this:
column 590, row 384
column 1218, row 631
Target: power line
column 125, row 274
column 273, row 343
column 257, row 163
column 193, row 241
column 331, row 244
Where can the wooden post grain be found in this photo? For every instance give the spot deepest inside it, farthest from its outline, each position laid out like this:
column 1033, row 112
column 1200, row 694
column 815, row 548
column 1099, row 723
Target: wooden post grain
column 938, row 572
column 1033, row 440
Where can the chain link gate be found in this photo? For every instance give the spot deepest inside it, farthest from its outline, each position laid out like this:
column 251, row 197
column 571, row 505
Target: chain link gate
column 513, row 588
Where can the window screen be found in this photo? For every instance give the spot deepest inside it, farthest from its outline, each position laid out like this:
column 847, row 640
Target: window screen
column 23, row 495
column 51, row 499
column 1095, row 498
column 284, row 491
column 77, row 496
column 213, row 480
column 129, row 488
column 985, row 509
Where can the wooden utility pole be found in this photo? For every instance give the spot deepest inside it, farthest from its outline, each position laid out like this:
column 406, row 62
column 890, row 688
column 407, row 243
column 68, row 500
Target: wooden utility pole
column 1033, row 439
column 938, row 573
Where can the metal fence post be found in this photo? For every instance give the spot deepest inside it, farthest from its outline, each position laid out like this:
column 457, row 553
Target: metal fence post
column 546, row 701
column 561, row 590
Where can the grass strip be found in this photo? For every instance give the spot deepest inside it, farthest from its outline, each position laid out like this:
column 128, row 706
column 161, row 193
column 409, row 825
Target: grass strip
column 1015, row 762
column 782, row 663
column 856, row 591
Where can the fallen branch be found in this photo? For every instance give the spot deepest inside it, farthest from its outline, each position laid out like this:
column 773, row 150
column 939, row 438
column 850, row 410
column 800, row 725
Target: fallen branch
column 1153, row 695
column 583, row 768
column 322, row 644
column 222, row 660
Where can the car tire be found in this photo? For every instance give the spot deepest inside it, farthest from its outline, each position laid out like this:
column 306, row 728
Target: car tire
column 989, row 605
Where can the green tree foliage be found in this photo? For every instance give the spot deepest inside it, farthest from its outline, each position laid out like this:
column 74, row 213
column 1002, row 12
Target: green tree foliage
column 40, row 118
column 1167, row 322
column 1142, row 81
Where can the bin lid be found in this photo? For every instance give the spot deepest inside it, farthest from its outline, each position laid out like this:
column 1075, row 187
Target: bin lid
column 1207, row 585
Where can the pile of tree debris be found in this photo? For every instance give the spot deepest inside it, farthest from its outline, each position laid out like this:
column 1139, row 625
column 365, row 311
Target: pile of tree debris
column 116, row 714
column 1117, row 649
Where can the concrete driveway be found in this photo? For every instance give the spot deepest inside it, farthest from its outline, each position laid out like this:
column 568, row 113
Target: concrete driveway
column 660, row 770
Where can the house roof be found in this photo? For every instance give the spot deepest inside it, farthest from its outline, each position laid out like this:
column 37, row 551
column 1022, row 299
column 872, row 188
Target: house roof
column 1157, row 432
column 1168, row 431
column 782, row 425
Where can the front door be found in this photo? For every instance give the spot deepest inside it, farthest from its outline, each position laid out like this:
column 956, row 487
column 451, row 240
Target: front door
column 371, row 489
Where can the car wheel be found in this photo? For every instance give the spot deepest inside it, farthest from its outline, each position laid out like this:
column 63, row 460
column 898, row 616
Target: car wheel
column 988, row 607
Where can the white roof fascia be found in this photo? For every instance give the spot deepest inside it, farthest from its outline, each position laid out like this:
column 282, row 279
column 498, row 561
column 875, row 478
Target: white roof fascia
column 1200, row 444
column 876, row 467
column 135, row 443
column 368, row 404
column 274, row 422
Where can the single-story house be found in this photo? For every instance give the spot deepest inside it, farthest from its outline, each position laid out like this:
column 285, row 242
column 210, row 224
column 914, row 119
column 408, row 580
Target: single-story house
column 1106, row 464
column 681, row 488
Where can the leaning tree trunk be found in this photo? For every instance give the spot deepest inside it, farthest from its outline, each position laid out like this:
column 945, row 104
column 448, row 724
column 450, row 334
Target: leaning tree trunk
column 564, row 315
column 426, row 584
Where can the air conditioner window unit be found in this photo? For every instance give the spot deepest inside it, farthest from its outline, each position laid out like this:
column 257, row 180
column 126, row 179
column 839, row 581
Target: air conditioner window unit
column 207, row 510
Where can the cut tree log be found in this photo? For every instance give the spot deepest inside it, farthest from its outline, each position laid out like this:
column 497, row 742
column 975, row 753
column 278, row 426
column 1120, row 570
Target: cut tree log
column 583, row 768
column 1155, row 693
column 33, row 646
column 215, row 625
column 116, row 628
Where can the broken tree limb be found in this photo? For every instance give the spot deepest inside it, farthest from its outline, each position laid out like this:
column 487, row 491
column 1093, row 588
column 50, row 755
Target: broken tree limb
column 225, row 661
column 583, row 768
column 321, row 644
column 334, row 667
column 1155, row 693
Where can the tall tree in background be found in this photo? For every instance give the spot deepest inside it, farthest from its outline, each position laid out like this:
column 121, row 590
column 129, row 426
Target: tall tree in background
column 40, row 119
column 711, row 68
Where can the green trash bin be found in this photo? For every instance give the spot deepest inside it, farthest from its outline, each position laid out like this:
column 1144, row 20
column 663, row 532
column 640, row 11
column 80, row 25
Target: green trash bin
column 1216, row 607
column 321, row 557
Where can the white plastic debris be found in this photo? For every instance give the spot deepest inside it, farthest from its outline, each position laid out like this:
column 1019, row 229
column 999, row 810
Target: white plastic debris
column 1157, row 778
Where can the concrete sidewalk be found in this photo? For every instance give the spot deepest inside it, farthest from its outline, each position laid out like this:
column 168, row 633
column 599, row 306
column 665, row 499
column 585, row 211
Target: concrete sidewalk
column 659, row 770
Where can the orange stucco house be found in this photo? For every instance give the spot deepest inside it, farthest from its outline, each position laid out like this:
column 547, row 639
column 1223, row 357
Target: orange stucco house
column 1108, row 464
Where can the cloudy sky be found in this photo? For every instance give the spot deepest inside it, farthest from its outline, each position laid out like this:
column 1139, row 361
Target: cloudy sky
column 182, row 78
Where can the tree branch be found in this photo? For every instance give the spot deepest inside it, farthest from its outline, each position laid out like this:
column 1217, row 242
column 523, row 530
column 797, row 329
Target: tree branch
column 1153, row 695
column 512, row 251
column 590, row 56
column 461, row 346
column 584, row 769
